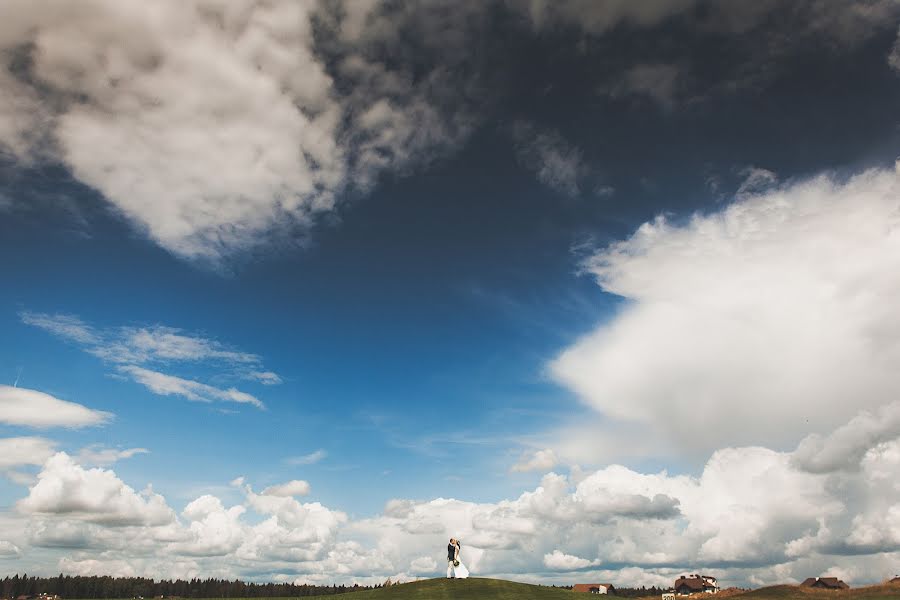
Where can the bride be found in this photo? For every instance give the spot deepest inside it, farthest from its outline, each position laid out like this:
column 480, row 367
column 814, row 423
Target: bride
column 458, row 569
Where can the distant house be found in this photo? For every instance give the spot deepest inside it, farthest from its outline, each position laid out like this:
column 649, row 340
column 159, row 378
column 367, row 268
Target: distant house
column 594, row 588
column 825, row 583
column 696, row 584
column 895, row 579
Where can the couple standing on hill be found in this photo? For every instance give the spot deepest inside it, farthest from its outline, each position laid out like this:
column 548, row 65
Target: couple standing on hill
column 455, row 568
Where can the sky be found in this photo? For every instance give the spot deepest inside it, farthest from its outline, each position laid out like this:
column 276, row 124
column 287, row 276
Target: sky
column 296, row 291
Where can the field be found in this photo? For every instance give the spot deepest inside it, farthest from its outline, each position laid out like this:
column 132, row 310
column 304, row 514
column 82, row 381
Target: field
column 473, row 588
column 793, row 592
column 476, row 588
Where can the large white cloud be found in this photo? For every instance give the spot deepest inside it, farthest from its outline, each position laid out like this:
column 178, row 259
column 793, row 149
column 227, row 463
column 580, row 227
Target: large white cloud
column 31, row 408
column 222, row 119
column 755, row 324
column 208, row 122
column 96, row 495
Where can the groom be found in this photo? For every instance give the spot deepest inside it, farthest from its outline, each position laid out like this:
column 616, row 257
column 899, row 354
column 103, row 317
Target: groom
column 452, row 550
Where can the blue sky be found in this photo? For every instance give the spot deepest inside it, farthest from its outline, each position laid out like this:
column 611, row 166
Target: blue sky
column 544, row 277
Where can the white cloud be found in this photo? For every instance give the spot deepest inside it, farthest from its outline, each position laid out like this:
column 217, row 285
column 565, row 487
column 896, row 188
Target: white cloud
column 130, row 347
column 894, row 56
column 265, row 377
column 755, row 324
column 170, row 344
column 168, row 385
column 22, row 452
column 296, row 487
column 214, row 530
column 8, row 549
column 307, row 459
column 88, row 567
column 19, row 451
column 426, row 565
column 20, row 477
column 206, row 124
column 559, row 561
column 173, row 74
column 65, row 326
column 96, row 495
column 555, row 162
column 139, row 345
column 756, row 181
column 846, row 447
column 98, row 455
column 30, row 408
column 539, row 460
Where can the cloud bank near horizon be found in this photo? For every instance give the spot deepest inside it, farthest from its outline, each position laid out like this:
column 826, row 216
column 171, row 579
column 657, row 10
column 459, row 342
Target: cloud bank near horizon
column 752, row 515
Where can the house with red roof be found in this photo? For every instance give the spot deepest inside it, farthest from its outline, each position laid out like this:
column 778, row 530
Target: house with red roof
column 696, row 584
column 825, row 583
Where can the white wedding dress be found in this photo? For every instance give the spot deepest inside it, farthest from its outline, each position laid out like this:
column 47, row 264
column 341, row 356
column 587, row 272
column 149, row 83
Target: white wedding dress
column 461, row 571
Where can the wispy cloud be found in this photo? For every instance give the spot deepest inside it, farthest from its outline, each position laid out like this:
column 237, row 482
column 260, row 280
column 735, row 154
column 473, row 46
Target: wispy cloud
column 894, row 56
column 555, row 162
column 540, row 460
column 97, row 455
column 169, row 385
column 165, row 344
column 140, row 353
column 661, row 82
column 65, row 326
column 307, row 459
column 264, row 377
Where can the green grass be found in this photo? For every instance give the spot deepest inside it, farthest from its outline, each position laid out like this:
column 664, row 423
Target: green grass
column 477, row 588
column 793, row 592
column 473, row 588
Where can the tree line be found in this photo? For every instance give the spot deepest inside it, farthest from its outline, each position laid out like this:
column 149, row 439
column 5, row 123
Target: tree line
column 68, row 586
column 639, row 592
column 635, row 592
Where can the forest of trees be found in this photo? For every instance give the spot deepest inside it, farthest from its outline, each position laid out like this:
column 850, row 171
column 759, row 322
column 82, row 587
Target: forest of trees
column 69, row 587
column 132, row 587
column 640, row 592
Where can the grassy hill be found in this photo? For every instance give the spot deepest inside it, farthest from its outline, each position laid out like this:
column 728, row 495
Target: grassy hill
column 476, row 588
column 794, row 592
column 473, row 588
